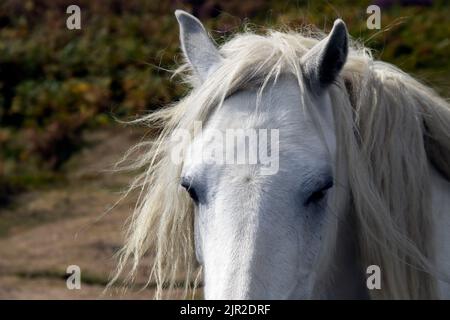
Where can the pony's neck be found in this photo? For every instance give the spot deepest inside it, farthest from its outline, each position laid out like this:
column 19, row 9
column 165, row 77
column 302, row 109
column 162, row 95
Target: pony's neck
column 441, row 216
column 345, row 277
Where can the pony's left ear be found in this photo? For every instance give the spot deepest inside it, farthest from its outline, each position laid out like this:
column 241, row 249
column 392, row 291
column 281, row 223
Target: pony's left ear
column 197, row 47
column 323, row 62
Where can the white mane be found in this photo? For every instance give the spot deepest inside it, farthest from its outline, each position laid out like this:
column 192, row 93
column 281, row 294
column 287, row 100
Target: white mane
column 388, row 126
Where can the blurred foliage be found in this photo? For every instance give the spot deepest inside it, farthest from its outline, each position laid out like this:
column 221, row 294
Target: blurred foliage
column 55, row 82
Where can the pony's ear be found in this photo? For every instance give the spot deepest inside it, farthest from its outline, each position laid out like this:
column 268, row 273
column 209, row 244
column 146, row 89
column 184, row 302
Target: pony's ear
column 323, row 62
column 197, row 47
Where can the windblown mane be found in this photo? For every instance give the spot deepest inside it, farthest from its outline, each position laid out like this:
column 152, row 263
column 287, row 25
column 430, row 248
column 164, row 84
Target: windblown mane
column 388, row 127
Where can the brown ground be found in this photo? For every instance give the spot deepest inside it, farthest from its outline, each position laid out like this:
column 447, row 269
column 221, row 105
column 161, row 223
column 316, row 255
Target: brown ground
column 45, row 231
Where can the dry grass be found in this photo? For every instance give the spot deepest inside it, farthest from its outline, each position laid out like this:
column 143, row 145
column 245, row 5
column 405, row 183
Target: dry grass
column 45, row 231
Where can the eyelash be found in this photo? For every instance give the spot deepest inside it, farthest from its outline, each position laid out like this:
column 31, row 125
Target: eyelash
column 187, row 185
column 318, row 195
column 192, row 194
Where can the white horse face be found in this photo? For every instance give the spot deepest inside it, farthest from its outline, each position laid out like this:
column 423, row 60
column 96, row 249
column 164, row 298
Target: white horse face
column 256, row 235
column 259, row 235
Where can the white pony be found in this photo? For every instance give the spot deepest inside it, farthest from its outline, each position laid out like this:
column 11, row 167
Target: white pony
column 363, row 175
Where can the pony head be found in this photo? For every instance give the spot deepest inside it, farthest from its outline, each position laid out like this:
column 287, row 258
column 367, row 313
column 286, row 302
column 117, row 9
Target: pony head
column 294, row 163
column 258, row 234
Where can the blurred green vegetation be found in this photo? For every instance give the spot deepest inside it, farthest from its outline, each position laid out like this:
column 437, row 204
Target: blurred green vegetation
column 55, row 83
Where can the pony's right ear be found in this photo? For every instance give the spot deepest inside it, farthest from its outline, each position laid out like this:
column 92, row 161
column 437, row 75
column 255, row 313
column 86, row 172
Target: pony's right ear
column 323, row 62
column 197, row 47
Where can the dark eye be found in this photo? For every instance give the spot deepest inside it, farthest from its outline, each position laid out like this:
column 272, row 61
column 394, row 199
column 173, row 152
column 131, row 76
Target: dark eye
column 187, row 184
column 319, row 194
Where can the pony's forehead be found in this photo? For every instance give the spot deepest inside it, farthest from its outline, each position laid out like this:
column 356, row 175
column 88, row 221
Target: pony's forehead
column 266, row 86
column 279, row 106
